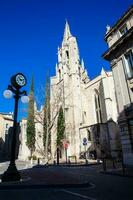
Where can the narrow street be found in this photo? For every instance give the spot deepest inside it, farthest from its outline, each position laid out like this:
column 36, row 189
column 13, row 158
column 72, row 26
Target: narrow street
column 102, row 186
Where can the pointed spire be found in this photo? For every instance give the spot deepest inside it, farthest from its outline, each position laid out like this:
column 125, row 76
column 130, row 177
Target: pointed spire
column 41, row 108
column 35, row 106
column 107, row 28
column 82, row 64
column 67, row 32
column 103, row 72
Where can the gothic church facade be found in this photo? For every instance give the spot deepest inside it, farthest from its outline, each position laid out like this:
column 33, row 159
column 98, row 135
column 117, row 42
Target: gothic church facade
column 89, row 105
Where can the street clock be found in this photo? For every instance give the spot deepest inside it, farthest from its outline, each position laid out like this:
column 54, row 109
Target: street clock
column 18, row 80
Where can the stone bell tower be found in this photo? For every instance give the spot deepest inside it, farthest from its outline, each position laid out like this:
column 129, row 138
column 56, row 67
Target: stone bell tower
column 71, row 77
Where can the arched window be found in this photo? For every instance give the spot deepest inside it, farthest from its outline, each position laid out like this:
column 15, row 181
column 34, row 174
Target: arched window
column 98, row 108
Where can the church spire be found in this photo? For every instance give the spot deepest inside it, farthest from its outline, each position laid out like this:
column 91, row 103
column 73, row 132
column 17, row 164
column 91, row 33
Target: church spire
column 103, row 72
column 82, row 64
column 67, row 32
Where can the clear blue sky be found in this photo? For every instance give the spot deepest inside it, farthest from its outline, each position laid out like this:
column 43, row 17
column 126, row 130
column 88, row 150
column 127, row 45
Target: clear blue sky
column 31, row 31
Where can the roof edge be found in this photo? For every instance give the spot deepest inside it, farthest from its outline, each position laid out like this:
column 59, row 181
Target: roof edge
column 119, row 21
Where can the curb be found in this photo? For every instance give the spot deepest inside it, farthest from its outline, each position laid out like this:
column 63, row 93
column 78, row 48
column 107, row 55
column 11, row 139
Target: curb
column 115, row 174
column 67, row 165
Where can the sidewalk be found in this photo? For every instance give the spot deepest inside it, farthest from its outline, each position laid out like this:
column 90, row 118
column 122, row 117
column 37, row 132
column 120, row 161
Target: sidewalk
column 41, row 176
column 118, row 172
column 117, row 169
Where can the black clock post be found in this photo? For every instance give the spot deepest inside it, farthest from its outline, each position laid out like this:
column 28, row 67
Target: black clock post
column 17, row 81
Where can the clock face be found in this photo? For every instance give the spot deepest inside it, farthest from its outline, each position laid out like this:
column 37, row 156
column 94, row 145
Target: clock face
column 20, row 80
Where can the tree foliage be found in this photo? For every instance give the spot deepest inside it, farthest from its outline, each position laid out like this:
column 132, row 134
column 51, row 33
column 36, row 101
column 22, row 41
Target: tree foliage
column 60, row 127
column 31, row 120
column 46, row 120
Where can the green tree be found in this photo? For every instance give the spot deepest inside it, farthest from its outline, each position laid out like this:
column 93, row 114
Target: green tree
column 46, row 121
column 31, row 120
column 60, row 127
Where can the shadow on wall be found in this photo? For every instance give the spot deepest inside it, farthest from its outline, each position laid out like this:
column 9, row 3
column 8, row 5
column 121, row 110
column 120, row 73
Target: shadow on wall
column 113, row 139
column 5, row 146
column 125, row 121
column 105, row 140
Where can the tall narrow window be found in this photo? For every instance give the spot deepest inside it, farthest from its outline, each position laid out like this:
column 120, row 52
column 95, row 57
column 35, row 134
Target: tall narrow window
column 98, row 108
column 79, row 71
column 89, row 135
column 59, row 74
column 67, row 53
column 129, row 64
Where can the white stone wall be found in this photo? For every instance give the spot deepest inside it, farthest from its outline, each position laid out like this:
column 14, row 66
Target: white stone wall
column 24, row 152
column 77, row 96
column 121, row 88
column 6, row 122
column 123, row 84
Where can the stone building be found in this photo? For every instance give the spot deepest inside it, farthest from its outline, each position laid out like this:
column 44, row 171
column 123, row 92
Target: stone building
column 89, row 105
column 120, row 55
column 24, row 152
column 6, row 124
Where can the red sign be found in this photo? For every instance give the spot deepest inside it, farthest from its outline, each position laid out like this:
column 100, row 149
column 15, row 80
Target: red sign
column 65, row 145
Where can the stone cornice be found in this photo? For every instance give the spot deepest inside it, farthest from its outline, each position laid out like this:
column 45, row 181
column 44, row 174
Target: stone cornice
column 118, row 44
column 119, row 22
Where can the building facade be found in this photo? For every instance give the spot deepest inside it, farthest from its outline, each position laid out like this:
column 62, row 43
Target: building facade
column 6, row 128
column 120, row 55
column 89, row 105
column 24, row 152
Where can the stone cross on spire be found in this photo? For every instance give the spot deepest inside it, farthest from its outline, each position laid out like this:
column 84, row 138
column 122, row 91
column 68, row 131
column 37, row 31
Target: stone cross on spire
column 67, row 32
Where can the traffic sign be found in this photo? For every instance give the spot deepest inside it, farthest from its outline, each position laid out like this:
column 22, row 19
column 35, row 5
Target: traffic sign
column 65, row 145
column 84, row 141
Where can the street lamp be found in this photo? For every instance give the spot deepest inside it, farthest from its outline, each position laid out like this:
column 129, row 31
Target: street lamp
column 17, row 81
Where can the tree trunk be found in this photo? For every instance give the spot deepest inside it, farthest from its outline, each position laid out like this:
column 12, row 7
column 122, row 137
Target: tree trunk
column 47, row 135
